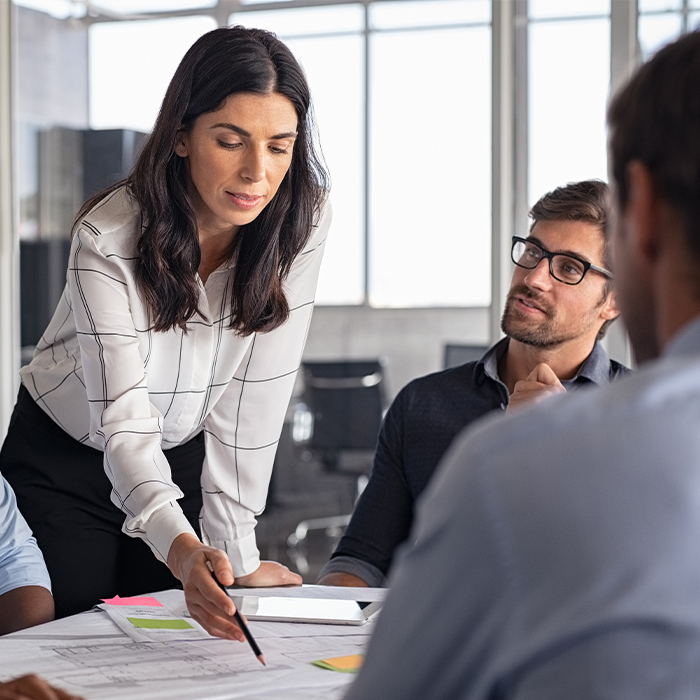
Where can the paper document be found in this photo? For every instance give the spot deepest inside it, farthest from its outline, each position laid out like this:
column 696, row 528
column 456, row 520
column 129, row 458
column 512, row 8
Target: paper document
column 90, row 656
column 119, row 669
column 153, row 623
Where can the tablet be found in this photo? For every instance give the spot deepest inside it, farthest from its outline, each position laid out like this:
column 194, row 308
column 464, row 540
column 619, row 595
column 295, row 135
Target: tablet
column 318, row 610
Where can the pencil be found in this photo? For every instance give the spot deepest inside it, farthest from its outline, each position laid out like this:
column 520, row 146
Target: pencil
column 244, row 628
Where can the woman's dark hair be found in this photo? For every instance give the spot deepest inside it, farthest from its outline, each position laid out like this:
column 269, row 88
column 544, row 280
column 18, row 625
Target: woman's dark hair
column 222, row 63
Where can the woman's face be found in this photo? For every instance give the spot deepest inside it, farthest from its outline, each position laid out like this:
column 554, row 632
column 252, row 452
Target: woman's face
column 238, row 156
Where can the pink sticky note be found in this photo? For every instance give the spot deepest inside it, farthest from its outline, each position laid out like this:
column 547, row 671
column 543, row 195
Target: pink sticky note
column 134, row 600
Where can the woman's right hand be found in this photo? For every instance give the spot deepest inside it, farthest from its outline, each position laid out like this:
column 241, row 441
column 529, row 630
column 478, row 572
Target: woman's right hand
column 207, row 603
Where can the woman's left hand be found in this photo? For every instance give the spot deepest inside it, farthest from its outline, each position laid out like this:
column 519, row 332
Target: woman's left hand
column 189, row 560
column 270, row 573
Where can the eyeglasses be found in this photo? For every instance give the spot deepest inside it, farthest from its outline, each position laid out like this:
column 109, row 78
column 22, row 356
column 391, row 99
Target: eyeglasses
column 565, row 268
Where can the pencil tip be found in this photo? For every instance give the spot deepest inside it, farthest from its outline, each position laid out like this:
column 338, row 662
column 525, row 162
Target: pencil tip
column 261, row 659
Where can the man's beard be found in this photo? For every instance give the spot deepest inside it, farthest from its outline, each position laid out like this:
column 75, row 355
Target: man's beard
column 544, row 333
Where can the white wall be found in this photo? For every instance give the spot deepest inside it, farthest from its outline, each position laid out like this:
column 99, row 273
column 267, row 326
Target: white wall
column 412, row 340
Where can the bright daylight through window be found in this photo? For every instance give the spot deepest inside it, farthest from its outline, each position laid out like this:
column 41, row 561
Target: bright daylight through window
column 403, row 95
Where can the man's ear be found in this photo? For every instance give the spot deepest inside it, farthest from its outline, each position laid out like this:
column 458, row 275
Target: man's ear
column 642, row 213
column 609, row 308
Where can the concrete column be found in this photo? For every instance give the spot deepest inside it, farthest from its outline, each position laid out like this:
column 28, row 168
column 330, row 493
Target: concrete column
column 503, row 158
column 624, row 58
column 624, row 46
column 9, row 241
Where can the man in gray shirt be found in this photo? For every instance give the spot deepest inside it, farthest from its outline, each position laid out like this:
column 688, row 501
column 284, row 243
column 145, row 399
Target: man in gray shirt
column 557, row 552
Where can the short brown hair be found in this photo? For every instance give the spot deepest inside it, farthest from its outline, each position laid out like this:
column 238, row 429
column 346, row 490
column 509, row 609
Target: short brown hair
column 589, row 201
column 655, row 119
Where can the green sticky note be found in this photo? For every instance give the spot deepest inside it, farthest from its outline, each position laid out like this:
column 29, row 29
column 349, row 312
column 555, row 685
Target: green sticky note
column 153, row 624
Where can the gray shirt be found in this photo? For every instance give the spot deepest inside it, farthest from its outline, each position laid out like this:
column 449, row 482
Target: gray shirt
column 557, row 552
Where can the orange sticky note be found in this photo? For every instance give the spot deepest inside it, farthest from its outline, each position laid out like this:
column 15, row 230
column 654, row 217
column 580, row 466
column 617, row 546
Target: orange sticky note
column 344, row 664
column 147, row 601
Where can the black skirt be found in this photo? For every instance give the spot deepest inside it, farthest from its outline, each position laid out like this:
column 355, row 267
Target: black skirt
column 63, row 492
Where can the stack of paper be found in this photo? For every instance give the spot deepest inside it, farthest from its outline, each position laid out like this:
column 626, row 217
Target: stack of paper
column 146, row 619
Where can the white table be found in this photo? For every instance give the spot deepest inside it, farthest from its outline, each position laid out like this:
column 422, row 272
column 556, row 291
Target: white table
column 89, row 655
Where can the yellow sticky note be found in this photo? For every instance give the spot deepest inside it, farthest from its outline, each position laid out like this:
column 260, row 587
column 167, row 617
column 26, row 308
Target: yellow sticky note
column 344, row 664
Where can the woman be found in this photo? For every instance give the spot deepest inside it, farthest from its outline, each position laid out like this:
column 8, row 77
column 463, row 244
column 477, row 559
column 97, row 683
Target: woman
column 174, row 348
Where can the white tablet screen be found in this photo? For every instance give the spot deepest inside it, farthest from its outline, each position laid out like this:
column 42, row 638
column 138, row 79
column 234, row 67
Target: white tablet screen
column 323, row 610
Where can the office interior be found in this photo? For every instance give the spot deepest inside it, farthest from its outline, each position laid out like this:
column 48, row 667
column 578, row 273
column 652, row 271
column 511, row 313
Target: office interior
column 441, row 121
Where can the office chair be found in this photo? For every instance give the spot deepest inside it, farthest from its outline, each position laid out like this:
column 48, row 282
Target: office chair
column 456, row 354
column 338, row 422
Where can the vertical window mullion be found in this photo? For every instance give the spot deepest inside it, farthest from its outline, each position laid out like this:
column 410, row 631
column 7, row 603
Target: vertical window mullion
column 367, row 146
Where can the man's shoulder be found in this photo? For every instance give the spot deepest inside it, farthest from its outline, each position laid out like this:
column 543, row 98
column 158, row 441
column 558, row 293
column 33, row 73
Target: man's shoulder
column 612, row 413
column 14, row 531
column 437, row 382
column 639, row 431
column 599, row 368
column 441, row 390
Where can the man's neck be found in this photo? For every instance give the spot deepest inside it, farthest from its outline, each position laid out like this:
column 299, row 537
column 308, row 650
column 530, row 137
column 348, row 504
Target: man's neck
column 520, row 359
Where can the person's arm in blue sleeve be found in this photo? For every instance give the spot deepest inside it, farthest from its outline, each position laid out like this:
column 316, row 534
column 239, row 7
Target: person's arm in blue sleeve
column 383, row 515
column 25, row 587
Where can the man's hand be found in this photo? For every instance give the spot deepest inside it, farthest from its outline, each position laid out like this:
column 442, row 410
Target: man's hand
column 340, row 578
column 207, row 603
column 32, row 688
column 540, row 383
column 270, row 573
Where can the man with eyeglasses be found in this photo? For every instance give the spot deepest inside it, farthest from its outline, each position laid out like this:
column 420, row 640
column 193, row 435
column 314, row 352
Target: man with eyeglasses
column 559, row 305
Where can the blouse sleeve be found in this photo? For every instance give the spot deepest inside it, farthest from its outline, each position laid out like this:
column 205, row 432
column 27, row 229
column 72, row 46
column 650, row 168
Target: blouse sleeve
column 243, row 429
column 123, row 421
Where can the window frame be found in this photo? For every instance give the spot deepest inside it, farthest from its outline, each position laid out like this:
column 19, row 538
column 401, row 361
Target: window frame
column 509, row 142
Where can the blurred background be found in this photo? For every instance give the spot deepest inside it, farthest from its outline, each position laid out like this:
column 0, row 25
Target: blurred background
column 441, row 122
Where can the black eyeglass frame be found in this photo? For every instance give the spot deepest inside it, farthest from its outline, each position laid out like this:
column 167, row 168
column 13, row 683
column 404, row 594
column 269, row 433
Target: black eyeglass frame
column 550, row 256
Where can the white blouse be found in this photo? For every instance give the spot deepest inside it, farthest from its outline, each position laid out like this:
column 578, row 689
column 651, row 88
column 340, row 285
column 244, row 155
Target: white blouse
column 112, row 383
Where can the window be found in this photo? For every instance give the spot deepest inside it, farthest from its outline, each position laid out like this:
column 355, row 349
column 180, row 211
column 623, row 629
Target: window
column 155, row 47
column 430, row 155
column 568, row 83
column 60, row 9
column 661, row 21
column 407, row 142
column 402, row 93
column 329, row 43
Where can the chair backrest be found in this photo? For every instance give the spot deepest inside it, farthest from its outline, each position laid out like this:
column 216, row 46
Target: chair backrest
column 345, row 398
column 456, row 355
